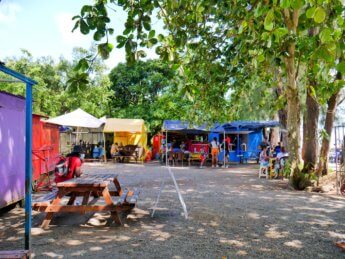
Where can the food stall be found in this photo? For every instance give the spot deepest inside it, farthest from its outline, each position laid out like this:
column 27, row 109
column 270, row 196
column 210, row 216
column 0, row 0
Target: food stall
column 127, row 132
column 195, row 138
column 246, row 137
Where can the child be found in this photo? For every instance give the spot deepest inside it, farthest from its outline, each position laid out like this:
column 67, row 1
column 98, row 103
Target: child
column 202, row 157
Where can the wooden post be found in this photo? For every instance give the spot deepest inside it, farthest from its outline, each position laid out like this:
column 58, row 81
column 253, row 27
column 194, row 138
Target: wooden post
column 105, row 148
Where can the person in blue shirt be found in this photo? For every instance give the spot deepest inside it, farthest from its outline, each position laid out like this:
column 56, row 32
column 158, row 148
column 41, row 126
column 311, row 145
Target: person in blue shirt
column 95, row 152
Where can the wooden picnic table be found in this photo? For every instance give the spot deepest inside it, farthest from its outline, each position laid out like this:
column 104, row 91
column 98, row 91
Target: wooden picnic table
column 98, row 186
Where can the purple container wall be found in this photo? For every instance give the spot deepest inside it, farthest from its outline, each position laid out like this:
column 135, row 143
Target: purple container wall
column 12, row 148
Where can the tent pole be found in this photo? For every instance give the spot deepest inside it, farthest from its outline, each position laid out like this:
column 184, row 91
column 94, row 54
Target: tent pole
column 166, row 148
column 105, row 149
column 238, row 146
column 224, row 149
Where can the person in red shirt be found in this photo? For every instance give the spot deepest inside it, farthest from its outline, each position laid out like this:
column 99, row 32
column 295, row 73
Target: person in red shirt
column 75, row 161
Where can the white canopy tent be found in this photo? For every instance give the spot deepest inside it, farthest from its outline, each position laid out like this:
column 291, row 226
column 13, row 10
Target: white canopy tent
column 77, row 118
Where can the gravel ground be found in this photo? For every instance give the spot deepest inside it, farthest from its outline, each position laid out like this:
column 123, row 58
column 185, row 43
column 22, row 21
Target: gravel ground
column 232, row 214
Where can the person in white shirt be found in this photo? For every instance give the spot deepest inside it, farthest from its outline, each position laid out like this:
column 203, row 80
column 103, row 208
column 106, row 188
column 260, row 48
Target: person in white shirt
column 279, row 164
column 214, row 151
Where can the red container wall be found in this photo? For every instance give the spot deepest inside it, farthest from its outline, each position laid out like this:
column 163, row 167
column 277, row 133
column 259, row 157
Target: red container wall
column 45, row 146
column 36, row 144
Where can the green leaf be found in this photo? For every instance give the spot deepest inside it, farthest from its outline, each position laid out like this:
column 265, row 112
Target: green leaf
column 85, row 9
column 261, row 58
column 153, row 41
column 160, row 37
column 84, row 28
column 297, row 4
column 152, row 33
column 319, row 15
column 285, row 3
column 141, row 54
column 98, row 35
column 104, row 49
column 82, row 65
column 341, row 67
column 75, row 26
column 268, row 22
column 121, row 38
column 310, row 12
column 127, row 31
column 147, row 26
column 200, row 8
column 326, row 35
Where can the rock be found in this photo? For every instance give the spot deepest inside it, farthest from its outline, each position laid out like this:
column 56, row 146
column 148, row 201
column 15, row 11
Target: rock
column 325, row 188
column 309, row 189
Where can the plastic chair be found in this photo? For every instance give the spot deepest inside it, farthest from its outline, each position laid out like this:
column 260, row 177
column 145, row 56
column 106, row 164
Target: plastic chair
column 263, row 171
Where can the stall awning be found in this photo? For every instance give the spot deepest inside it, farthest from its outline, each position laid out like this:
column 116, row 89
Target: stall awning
column 240, row 132
column 124, row 125
column 249, row 125
column 185, row 127
column 77, row 118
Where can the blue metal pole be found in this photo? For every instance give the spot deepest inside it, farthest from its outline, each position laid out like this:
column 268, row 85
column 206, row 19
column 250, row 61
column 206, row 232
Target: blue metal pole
column 28, row 165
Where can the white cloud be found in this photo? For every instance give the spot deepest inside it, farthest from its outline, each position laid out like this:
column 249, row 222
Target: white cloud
column 9, row 12
column 65, row 26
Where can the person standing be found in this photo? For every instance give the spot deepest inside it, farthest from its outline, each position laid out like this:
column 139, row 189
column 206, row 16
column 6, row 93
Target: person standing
column 214, row 151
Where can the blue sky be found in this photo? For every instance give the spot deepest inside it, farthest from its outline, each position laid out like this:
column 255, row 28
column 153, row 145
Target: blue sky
column 43, row 27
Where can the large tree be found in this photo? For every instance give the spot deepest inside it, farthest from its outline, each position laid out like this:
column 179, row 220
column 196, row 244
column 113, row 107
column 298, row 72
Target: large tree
column 146, row 90
column 223, row 40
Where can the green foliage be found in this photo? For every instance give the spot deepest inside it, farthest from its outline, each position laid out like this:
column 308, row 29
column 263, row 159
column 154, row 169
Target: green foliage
column 56, row 91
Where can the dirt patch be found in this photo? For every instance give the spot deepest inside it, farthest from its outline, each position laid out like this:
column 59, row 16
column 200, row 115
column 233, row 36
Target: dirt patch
column 232, row 214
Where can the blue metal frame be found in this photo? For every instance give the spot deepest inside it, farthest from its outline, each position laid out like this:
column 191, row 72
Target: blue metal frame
column 28, row 149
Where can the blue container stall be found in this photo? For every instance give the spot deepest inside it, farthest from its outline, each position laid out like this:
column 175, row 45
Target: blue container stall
column 246, row 137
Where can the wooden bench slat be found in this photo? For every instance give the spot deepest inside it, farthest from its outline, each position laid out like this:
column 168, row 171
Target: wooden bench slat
column 15, row 254
column 123, row 197
column 133, row 198
column 47, row 197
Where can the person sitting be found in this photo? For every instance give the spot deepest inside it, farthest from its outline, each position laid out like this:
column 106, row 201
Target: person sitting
column 114, row 150
column 203, row 157
column 280, row 162
column 74, row 163
column 264, row 158
column 277, row 149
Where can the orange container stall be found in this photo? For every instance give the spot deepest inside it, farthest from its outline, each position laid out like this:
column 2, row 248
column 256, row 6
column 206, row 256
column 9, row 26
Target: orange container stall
column 45, row 151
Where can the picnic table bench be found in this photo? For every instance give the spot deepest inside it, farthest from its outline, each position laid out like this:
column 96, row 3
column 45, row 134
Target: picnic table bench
column 98, row 186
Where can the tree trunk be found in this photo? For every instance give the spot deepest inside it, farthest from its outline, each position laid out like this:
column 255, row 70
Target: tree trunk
column 310, row 131
column 293, row 112
column 292, row 95
column 310, row 122
column 330, row 115
column 282, row 113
